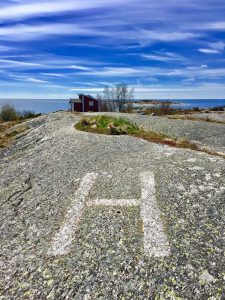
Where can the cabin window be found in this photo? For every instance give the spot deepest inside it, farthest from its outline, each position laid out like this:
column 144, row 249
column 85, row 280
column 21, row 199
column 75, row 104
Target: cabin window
column 91, row 103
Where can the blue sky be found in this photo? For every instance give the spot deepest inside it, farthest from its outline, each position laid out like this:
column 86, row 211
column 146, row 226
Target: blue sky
column 164, row 49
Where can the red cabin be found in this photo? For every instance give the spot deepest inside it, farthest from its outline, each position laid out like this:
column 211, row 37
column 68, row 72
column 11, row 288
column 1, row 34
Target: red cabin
column 84, row 103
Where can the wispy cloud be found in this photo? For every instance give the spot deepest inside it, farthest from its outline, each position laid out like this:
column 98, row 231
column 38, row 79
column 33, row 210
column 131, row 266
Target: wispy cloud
column 35, row 80
column 48, row 63
column 146, row 37
column 45, row 30
column 90, row 90
column 34, row 32
column 6, row 48
column 147, row 72
column 20, row 11
column 215, row 25
column 77, row 67
column 27, row 79
column 6, row 63
column 220, row 46
column 53, row 74
column 208, row 51
column 90, row 44
column 167, row 36
column 120, row 72
column 163, row 57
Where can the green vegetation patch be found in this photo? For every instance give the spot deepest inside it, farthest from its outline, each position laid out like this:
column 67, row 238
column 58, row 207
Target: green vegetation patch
column 107, row 125
column 120, row 126
column 8, row 114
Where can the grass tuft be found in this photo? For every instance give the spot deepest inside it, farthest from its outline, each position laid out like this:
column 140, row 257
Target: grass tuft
column 194, row 118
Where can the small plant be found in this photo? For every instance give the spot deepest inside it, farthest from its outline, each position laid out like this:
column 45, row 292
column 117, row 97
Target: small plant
column 8, row 113
column 28, row 114
column 166, row 108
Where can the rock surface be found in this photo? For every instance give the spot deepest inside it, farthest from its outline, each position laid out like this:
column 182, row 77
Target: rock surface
column 40, row 174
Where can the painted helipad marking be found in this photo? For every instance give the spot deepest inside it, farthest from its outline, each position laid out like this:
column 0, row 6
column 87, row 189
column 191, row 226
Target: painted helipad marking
column 64, row 238
column 155, row 240
column 115, row 202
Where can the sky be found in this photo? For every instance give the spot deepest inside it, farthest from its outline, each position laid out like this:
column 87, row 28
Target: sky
column 167, row 49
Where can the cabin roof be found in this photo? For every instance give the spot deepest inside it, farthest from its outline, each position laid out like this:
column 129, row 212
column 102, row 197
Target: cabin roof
column 89, row 96
column 75, row 100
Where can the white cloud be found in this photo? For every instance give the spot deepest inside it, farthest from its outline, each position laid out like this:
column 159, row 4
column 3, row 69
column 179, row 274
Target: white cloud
column 53, row 74
column 147, row 37
column 216, row 25
column 220, row 46
column 77, row 67
column 35, row 80
column 85, row 83
column 32, row 32
column 41, row 8
column 163, row 57
column 6, row 63
column 189, row 80
column 147, row 72
column 5, row 48
column 48, row 63
column 91, row 90
column 143, row 37
column 200, row 91
column 27, row 79
column 121, row 72
column 208, row 51
column 167, row 36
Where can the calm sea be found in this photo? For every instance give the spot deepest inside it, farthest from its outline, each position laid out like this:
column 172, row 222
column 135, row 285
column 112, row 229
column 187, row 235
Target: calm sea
column 50, row 105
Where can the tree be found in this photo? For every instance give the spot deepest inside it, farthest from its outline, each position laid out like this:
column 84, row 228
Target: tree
column 118, row 97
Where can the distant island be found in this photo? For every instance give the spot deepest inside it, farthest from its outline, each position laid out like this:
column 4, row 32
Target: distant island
column 153, row 102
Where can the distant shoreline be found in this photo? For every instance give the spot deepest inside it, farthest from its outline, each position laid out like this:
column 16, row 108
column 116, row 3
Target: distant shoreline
column 155, row 102
column 50, row 105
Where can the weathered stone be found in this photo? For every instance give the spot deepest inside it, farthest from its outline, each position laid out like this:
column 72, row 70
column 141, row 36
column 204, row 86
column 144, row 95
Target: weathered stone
column 40, row 174
column 205, row 277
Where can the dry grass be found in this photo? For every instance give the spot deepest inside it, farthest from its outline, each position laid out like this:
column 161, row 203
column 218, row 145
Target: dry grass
column 8, row 133
column 197, row 119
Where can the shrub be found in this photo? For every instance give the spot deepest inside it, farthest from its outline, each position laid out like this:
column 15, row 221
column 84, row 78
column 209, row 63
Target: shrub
column 217, row 108
column 8, row 113
column 165, row 108
column 28, row 114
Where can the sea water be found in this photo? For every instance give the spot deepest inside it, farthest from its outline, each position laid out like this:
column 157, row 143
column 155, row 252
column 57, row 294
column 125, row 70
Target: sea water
column 49, row 105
